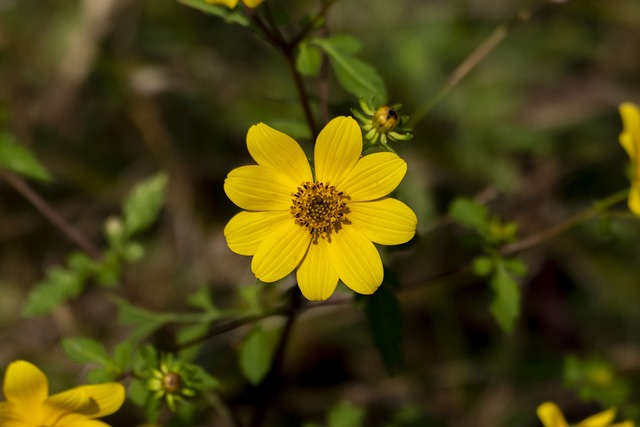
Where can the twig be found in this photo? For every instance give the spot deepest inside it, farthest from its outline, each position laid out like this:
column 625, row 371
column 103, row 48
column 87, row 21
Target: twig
column 72, row 233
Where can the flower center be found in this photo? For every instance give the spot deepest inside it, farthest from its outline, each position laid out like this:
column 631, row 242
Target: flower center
column 319, row 208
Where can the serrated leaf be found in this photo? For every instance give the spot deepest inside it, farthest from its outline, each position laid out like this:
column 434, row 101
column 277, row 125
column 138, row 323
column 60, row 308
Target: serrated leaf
column 230, row 16
column 470, row 213
column 383, row 313
column 85, row 350
column 354, row 75
column 19, row 159
column 255, row 355
column 308, row 60
column 59, row 286
column 142, row 206
column 345, row 414
column 505, row 306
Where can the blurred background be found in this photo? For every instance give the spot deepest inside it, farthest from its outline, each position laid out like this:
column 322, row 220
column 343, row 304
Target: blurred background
column 107, row 92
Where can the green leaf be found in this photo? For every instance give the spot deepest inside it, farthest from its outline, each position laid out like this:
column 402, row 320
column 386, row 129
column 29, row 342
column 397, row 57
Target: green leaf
column 505, row 306
column 204, row 381
column 345, row 414
column 470, row 213
column 17, row 158
column 59, row 286
column 138, row 392
column 143, row 322
column 383, row 313
column 255, row 356
column 100, row 375
column 354, row 75
column 308, row 60
column 516, row 267
column 231, row 16
column 202, row 299
column 483, row 265
column 142, row 206
column 345, row 43
column 122, row 355
column 188, row 334
column 85, row 350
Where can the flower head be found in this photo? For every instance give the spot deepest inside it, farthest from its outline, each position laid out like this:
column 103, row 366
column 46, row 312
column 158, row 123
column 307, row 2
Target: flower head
column 322, row 225
column 383, row 123
column 29, row 405
column 169, row 382
column 551, row 416
column 630, row 140
column 233, row 3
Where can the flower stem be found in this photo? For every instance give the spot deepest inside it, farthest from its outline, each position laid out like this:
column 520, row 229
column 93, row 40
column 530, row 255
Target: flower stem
column 267, row 389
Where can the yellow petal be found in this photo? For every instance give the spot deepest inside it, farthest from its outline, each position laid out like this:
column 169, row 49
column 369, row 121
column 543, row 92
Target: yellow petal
column 624, row 424
column 386, row 221
column 634, row 197
column 229, row 3
column 279, row 151
column 64, row 407
column 259, row 188
column 90, row 401
column 356, row 260
column 83, row 422
column 280, row 252
column 253, row 3
column 14, row 415
column 26, row 385
column 374, row 176
column 630, row 136
column 247, row 230
column 338, row 148
column 316, row 276
column 602, row 419
column 551, row 416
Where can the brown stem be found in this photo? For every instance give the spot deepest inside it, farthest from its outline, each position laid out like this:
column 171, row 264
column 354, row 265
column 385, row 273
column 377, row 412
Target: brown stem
column 72, row 233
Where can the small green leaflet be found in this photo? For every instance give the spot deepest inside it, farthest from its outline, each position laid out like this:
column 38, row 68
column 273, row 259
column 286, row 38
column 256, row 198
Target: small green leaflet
column 346, row 414
column 505, row 306
column 17, row 158
column 353, row 74
column 256, row 354
column 142, row 206
column 85, row 350
column 308, row 60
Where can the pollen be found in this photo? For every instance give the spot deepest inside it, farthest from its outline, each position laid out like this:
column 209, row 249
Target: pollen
column 319, row 208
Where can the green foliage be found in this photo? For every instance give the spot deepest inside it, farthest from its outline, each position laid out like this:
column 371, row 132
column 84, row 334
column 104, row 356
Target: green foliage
column 345, row 414
column 141, row 208
column 308, row 60
column 353, row 74
column 594, row 379
column 256, row 354
column 19, row 159
column 383, row 313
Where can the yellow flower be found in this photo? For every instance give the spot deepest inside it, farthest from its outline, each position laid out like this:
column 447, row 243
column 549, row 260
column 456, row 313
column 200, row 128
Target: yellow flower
column 29, row 404
column 551, row 416
column 232, row 3
column 630, row 140
column 323, row 226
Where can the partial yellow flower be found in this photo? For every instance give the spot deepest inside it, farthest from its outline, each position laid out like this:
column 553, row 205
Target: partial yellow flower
column 232, row 3
column 630, row 140
column 324, row 226
column 29, row 405
column 551, row 416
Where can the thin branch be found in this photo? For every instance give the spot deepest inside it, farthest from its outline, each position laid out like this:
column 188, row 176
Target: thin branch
column 72, row 233
column 471, row 61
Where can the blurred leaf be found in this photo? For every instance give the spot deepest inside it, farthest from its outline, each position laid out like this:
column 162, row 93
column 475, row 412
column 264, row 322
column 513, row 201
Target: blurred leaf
column 202, row 299
column 354, row 75
column 190, row 333
column 132, row 252
column 505, row 306
column 482, row 265
column 59, row 286
column 470, row 213
column 255, row 356
column 203, row 379
column 122, row 355
column 143, row 322
column 515, row 266
column 383, row 313
column 345, row 414
column 346, row 43
column 143, row 204
column 232, row 16
column 100, row 375
column 308, row 60
column 85, row 350
column 19, row 159
column 143, row 359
